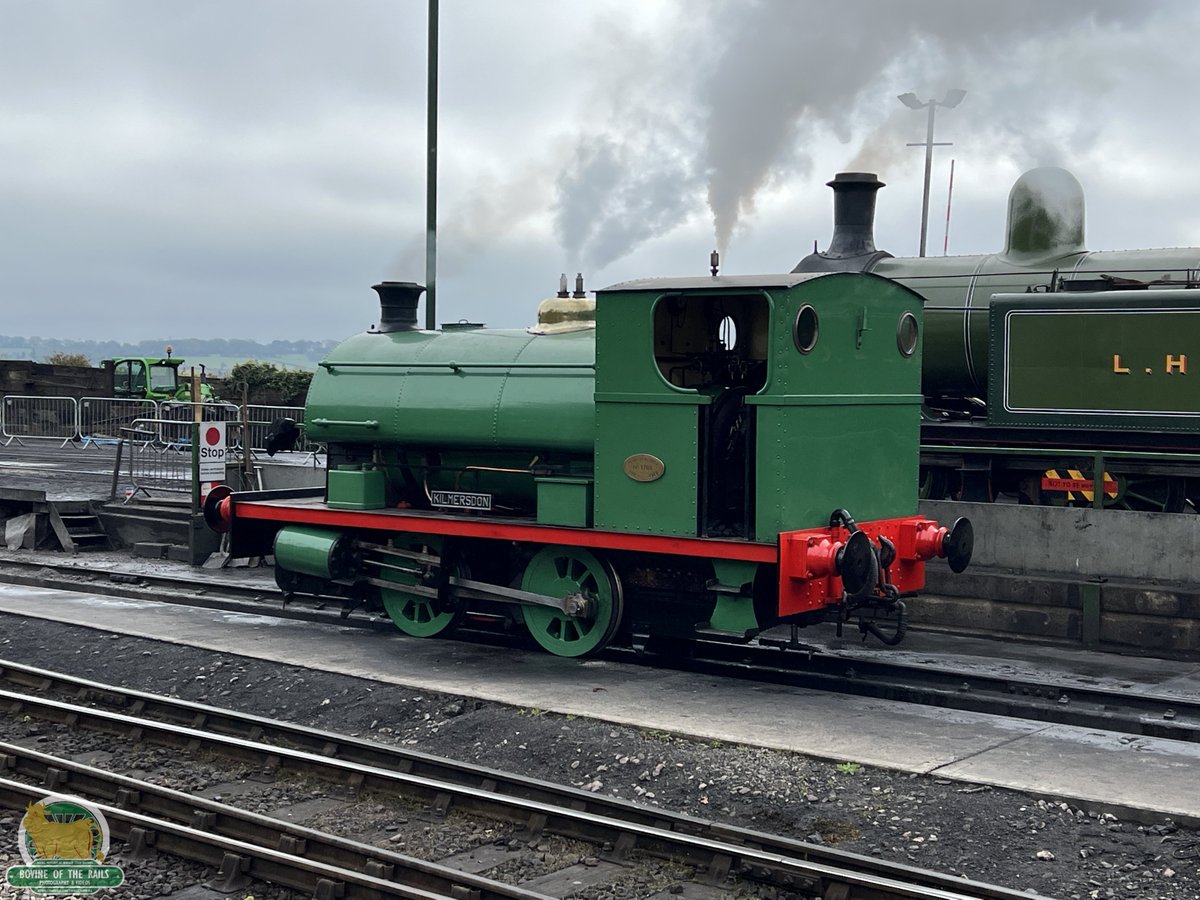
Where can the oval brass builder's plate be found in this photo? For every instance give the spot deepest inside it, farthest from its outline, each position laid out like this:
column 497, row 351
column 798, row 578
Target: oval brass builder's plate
column 644, row 467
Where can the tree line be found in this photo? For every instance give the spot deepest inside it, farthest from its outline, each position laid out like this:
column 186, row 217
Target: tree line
column 41, row 349
column 257, row 382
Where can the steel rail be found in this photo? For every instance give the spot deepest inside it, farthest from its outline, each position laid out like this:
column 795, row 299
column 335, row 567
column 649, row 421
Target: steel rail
column 223, row 820
column 265, row 600
column 539, row 806
column 1171, row 717
column 238, row 860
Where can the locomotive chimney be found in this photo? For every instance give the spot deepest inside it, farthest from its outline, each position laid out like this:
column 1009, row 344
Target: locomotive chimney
column 853, row 214
column 852, row 248
column 398, row 305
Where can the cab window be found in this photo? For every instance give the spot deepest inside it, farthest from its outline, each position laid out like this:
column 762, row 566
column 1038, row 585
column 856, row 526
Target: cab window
column 163, row 379
column 708, row 342
column 129, row 378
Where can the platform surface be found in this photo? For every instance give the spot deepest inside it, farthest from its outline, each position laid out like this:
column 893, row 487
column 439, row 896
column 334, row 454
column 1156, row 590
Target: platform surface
column 1115, row 772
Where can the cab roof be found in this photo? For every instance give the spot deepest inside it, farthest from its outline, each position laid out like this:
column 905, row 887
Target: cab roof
column 714, row 282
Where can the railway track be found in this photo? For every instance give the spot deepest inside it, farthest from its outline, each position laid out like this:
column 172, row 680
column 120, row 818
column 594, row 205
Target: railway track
column 186, row 591
column 242, row 846
column 1173, row 717
column 245, row 845
column 242, row 843
column 778, row 661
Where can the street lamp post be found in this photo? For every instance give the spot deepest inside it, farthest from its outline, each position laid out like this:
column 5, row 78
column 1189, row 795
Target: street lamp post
column 951, row 100
column 431, row 139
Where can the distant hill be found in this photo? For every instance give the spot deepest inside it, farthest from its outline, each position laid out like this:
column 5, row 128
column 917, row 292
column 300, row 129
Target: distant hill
column 217, row 355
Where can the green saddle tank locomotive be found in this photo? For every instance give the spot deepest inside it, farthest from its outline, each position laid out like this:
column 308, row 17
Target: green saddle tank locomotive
column 711, row 456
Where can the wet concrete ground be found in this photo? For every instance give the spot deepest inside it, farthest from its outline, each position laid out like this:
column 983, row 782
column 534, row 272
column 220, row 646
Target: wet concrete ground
column 1122, row 772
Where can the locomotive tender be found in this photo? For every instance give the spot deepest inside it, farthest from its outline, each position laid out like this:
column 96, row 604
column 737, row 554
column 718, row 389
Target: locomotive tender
column 677, row 457
column 1047, row 366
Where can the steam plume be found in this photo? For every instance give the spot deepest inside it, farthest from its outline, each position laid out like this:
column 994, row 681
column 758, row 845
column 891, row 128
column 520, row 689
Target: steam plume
column 792, row 72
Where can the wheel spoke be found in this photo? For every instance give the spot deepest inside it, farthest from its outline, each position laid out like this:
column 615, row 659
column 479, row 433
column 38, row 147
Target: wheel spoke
column 561, row 572
column 417, row 614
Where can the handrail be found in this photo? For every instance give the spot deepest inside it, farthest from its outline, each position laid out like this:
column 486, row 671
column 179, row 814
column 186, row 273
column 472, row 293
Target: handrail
column 452, row 365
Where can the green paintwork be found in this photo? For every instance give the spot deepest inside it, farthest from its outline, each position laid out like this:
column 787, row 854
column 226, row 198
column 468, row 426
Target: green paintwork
column 356, row 487
column 638, row 412
column 416, row 614
column 308, row 551
column 838, row 427
column 450, row 410
column 472, row 400
column 958, row 292
column 478, row 389
column 734, row 614
column 849, row 410
column 1044, row 241
column 564, row 501
column 560, row 572
column 734, row 572
column 1059, row 356
column 668, row 431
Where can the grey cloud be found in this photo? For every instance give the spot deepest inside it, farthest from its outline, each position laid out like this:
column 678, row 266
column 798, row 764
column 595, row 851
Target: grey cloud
column 222, row 61
column 251, row 165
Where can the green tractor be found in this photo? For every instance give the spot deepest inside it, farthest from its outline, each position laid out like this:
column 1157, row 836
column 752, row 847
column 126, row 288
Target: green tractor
column 153, row 379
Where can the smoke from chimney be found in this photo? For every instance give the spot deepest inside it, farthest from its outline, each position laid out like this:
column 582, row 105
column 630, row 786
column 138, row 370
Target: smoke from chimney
column 787, row 78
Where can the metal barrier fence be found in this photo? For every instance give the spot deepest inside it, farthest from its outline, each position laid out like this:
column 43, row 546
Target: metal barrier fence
column 211, row 411
column 102, row 418
column 95, row 420
column 154, row 457
column 147, row 464
column 258, row 426
column 39, row 418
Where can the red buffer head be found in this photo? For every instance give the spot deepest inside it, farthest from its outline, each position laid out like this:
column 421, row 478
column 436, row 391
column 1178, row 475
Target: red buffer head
column 217, row 512
column 955, row 544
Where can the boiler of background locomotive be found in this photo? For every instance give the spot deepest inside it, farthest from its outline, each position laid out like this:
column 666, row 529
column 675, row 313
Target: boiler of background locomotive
column 1044, row 250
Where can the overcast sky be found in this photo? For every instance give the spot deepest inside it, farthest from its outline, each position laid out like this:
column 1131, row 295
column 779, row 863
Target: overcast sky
column 180, row 168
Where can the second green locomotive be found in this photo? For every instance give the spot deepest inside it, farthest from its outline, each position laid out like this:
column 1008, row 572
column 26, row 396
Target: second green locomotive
column 1047, row 366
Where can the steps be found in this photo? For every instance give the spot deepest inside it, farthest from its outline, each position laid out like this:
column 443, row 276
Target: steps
column 160, row 528
column 140, row 521
column 77, row 527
